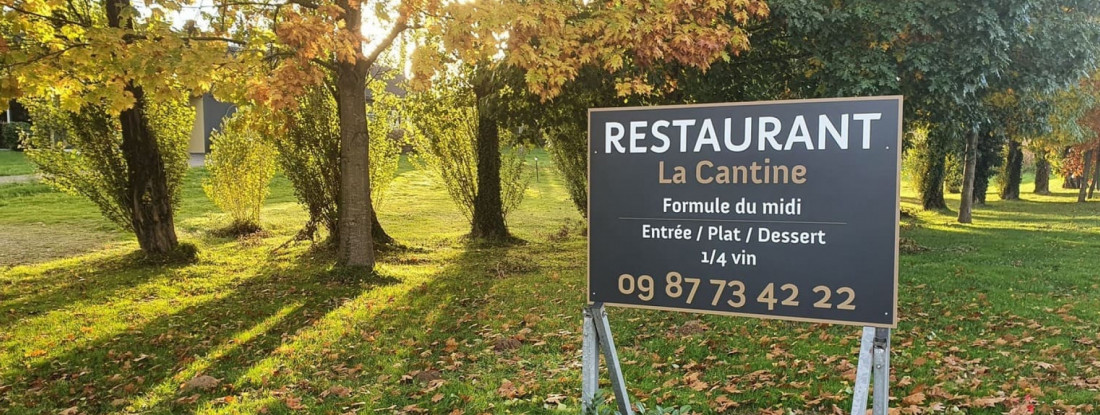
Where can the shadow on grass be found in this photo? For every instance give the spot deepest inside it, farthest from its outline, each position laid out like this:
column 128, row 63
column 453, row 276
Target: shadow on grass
column 410, row 334
column 432, row 311
column 228, row 332
column 248, row 331
column 88, row 281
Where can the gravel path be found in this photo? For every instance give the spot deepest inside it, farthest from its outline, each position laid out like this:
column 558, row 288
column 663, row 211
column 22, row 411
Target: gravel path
column 25, row 178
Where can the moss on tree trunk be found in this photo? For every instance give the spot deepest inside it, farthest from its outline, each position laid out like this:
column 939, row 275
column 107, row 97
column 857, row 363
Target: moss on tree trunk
column 488, row 215
column 933, row 159
column 1042, row 174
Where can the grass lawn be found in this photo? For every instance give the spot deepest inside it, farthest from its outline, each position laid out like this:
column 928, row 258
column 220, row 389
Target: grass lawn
column 990, row 313
column 14, row 163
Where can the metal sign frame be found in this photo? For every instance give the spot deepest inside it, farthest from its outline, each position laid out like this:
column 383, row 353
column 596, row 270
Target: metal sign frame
column 597, row 340
column 873, row 369
column 895, row 147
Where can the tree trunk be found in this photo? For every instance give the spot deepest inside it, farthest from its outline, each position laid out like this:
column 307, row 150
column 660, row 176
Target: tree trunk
column 970, row 162
column 1042, row 174
column 488, row 220
column 150, row 202
column 1011, row 177
column 990, row 155
column 355, row 246
column 982, row 173
column 931, row 179
column 1083, row 182
column 1095, row 174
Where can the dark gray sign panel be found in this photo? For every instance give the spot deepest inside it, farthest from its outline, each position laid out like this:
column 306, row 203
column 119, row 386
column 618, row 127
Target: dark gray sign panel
column 784, row 209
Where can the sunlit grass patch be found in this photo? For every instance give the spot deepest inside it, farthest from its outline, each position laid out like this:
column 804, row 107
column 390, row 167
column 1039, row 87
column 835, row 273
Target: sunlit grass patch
column 990, row 313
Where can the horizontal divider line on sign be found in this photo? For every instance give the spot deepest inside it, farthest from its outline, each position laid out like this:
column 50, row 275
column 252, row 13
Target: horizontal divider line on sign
column 736, row 220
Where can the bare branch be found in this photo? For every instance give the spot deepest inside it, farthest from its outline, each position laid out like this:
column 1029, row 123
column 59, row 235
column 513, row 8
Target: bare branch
column 399, row 26
column 216, row 39
column 326, row 65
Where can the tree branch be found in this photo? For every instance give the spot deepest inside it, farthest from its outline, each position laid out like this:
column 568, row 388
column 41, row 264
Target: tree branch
column 305, row 3
column 326, row 65
column 55, row 19
column 216, row 39
column 399, row 26
column 46, row 56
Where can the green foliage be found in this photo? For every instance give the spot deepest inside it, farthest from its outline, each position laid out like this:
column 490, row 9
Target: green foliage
column 927, row 161
column 563, row 123
column 80, row 152
column 384, row 114
column 953, row 173
column 990, row 159
column 443, row 130
column 567, row 144
column 309, row 152
column 241, row 163
column 13, row 134
column 309, row 155
column 171, row 123
column 1070, row 110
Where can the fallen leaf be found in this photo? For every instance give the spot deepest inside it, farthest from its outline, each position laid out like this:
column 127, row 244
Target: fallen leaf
column 914, row 399
column 723, row 403
column 204, row 382
column 508, row 390
column 337, row 390
column 293, row 403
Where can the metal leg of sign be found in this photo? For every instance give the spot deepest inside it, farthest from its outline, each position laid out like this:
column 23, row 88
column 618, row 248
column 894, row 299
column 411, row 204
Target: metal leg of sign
column 882, row 372
column 596, row 317
column 863, row 372
column 874, row 362
column 590, row 361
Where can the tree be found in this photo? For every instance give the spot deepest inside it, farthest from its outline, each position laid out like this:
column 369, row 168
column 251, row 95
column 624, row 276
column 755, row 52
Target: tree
column 563, row 122
column 81, row 152
column 1042, row 172
column 962, row 54
column 990, row 159
column 488, row 215
column 551, row 42
column 1069, row 111
column 1011, row 176
column 106, row 55
column 1088, row 157
column 446, row 132
column 945, row 57
column 1014, row 119
column 309, row 154
column 241, row 164
column 298, row 45
column 970, row 163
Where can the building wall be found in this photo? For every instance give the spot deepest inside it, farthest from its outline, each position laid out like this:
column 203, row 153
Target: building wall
column 197, row 144
column 209, row 115
column 215, row 112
